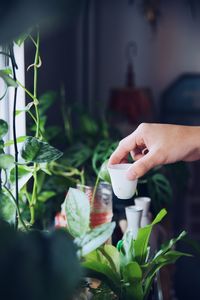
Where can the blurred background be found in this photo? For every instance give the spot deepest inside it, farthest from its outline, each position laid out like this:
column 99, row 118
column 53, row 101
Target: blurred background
column 120, row 63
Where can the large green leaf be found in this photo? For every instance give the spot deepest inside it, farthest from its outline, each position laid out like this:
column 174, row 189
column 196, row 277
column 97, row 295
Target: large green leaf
column 7, row 207
column 38, row 151
column 141, row 243
column 3, row 128
column 6, row 161
column 94, row 238
column 77, row 208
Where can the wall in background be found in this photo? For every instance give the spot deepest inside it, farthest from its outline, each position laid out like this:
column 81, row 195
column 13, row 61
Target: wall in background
column 162, row 55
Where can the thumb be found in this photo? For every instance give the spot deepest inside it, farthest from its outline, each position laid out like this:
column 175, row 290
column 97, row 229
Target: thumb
column 142, row 166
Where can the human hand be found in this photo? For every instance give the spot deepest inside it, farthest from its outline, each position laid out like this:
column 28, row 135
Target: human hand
column 151, row 145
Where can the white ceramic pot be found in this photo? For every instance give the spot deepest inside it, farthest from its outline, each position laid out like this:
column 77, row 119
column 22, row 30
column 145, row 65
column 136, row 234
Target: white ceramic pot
column 123, row 187
column 144, row 203
column 133, row 216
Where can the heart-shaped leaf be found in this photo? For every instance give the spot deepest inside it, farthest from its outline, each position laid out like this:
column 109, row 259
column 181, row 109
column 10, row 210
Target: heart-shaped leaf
column 37, row 151
column 77, row 210
column 6, row 161
column 3, row 128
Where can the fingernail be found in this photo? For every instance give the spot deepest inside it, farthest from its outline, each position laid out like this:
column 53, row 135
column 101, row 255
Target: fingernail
column 131, row 175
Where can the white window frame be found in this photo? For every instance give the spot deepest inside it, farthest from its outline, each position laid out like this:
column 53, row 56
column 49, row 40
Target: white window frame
column 6, row 104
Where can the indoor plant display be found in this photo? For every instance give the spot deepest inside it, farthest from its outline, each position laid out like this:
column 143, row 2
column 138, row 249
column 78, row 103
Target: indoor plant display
column 126, row 271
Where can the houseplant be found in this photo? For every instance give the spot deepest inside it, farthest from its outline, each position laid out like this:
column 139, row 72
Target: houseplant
column 126, row 271
column 20, row 175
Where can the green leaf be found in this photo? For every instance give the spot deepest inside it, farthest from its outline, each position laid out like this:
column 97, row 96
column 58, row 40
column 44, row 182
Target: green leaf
column 5, row 75
column 76, row 155
column 46, row 195
column 160, row 190
column 46, row 100
column 132, row 276
column 103, row 173
column 21, row 39
column 24, row 175
column 101, row 153
column 168, row 245
column 25, row 109
column 170, row 257
column 127, row 251
column 1, row 146
column 7, row 208
column 88, row 125
column 112, row 256
column 20, row 139
column 96, row 269
column 3, row 128
column 94, row 238
column 6, row 161
column 77, row 208
column 141, row 243
column 132, row 272
column 38, row 151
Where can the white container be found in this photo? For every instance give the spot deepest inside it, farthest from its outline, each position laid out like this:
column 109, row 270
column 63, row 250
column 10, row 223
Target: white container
column 123, row 187
column 133, row 216
column 144, row 203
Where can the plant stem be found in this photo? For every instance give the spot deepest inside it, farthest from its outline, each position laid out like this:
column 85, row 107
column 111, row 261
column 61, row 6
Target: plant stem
column 14, row 66
column 94, row 191
column 37, row 134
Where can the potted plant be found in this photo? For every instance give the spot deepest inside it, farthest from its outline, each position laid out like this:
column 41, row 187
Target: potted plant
column 126, row 271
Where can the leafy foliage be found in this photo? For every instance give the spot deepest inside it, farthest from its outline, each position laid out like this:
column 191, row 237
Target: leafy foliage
column 127, row 270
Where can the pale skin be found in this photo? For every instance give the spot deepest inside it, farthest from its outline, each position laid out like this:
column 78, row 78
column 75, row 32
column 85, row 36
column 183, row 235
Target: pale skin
column 151, row 145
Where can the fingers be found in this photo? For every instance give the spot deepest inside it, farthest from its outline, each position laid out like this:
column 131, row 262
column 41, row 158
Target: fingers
column 123, row 149
column 143, row 165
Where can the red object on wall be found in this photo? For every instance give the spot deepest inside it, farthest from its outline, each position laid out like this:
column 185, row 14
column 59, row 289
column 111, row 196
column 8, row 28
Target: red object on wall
column 135, row 104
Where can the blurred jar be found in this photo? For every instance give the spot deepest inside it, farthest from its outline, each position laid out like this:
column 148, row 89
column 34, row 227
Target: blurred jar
column 101, row 210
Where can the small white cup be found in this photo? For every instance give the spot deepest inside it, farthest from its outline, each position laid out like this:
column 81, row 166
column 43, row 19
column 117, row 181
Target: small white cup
column 123, row 187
